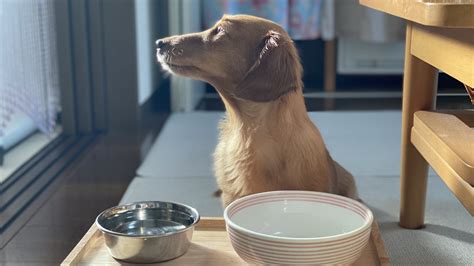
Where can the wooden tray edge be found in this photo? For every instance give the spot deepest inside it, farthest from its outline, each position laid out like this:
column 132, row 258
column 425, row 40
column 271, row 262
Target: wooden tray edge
column 78, row 251
column 382, row 254
column 206, row 223
column 209, row 223
column 213, row 223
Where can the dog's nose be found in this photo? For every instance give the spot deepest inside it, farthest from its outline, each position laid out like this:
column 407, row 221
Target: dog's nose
column 159, row 44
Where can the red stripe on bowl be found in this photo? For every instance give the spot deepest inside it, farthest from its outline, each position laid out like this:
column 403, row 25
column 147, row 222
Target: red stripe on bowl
column 296, row 194
column 300, row 198
column 317, row 198
column 292, row 244
column 247, row 258
column 314, row 198
column 352, row 208
column 358, row 241
column 267, row 259
column 350, row 245
column 309, row 255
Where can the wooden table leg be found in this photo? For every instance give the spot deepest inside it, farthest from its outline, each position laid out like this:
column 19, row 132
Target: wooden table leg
column 419, row 93
column 329, row 72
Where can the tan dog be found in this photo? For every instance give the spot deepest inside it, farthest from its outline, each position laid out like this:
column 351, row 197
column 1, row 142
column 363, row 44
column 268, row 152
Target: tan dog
column 267, row 141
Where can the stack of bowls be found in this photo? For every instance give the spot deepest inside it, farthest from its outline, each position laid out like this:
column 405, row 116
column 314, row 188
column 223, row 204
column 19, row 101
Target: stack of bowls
column 298, row 227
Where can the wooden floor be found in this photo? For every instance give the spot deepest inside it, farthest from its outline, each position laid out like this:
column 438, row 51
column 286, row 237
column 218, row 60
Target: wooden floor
column 96, row 181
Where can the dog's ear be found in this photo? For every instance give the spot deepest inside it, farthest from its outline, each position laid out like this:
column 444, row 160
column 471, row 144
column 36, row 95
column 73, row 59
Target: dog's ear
column 276, row 71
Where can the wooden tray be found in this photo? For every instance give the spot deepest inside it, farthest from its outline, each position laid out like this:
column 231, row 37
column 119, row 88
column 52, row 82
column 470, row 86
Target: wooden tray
column 210, row 246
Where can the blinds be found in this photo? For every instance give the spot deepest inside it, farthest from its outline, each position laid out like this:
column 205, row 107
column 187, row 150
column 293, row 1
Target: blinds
column 28, row 63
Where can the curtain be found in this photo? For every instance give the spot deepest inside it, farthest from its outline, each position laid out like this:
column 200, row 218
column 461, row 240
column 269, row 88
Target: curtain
column 300, row 18
column 29, row 81
column 312, row 19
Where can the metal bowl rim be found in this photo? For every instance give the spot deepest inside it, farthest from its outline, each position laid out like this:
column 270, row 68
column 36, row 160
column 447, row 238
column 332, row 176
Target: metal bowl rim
column 105, row 230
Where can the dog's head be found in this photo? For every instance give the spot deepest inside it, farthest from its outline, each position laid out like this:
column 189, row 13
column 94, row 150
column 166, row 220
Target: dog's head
column 244, row 57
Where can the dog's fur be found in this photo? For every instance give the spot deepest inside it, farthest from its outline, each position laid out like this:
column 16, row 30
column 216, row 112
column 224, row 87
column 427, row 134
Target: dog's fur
column 267, row 141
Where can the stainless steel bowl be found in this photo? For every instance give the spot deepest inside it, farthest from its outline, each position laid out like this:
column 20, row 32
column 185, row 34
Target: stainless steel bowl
column 146, row 232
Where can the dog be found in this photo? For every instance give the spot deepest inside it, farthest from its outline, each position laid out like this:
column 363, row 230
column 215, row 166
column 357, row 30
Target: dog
column 267, row 141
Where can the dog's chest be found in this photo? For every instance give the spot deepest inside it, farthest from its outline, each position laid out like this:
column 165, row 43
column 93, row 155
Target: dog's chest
column 246, row 157
column 235, row 152
column 262, row 161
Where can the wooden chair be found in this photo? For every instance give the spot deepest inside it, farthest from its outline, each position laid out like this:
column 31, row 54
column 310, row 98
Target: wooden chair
column 439, row 36
column 446, row 142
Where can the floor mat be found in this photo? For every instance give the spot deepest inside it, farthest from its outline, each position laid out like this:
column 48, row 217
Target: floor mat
column 179, row 168
column 366, row 143
column 195, row 192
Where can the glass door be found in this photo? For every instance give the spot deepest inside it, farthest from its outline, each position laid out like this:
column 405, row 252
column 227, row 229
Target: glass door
column 29, row 84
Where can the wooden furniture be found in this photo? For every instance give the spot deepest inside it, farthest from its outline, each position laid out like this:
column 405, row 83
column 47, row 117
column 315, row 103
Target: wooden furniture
column 329, row 72
column 439, row 36
column 447, row 143
column 210, row 246
column 470, row 92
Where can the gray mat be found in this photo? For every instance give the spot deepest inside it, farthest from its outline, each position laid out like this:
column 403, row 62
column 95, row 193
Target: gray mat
column 448, row 238
column 195, row 192
column 184, row 147
column 179, row 168
column 366, row 143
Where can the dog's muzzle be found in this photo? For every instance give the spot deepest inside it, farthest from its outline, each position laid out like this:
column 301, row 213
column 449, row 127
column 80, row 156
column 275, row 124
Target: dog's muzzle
column 161, row 46
column 164, row 46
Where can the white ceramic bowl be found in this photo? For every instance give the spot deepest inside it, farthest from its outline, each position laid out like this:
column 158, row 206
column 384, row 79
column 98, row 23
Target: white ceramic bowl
column 298, row 227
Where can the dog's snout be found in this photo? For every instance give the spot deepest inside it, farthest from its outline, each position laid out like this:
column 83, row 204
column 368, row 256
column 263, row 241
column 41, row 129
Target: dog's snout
column 160, row 44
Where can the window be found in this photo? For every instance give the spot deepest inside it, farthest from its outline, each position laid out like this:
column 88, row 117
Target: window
column 29, row 84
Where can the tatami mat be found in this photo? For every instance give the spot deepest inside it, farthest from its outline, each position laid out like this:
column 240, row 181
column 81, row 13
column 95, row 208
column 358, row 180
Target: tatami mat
column 179, row 168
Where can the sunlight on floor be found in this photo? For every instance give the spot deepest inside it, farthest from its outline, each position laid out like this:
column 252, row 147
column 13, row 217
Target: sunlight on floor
column 22, row 152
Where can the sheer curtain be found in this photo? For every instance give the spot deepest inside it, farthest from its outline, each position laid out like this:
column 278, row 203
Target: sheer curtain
column 28, row 63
